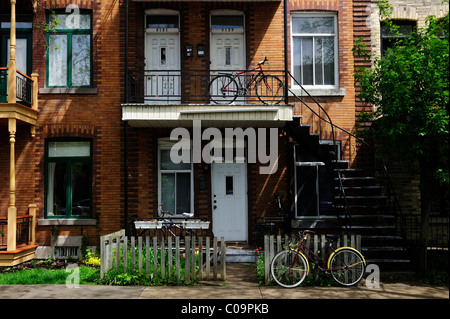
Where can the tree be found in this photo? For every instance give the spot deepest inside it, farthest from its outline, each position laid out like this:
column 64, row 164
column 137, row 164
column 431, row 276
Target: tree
column 409, row 91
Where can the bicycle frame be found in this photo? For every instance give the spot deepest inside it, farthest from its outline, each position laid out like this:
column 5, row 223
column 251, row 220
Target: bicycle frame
column 244, row 84
column 315, row 259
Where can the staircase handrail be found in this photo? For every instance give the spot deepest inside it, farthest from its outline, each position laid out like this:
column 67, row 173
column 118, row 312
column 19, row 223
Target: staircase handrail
column 329, row 121
column 341, row 185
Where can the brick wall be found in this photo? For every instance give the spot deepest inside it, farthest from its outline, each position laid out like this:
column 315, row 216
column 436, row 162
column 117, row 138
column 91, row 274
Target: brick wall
column 96, row 116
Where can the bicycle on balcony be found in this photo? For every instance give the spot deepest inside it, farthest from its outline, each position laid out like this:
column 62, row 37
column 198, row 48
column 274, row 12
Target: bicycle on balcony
column 226, row 87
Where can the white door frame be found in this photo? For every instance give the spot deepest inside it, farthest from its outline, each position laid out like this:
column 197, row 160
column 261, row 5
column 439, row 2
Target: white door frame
column 147, row 46
column 244, row 217
column 218, row 31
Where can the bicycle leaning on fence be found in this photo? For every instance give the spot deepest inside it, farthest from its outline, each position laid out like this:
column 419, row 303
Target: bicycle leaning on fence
column 226, row 87
column 291, row 266
column 172, row 227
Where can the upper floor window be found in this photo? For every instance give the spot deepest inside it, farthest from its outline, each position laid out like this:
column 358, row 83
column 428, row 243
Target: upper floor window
column 69, row 58
column 400, row 30
column 314, row 49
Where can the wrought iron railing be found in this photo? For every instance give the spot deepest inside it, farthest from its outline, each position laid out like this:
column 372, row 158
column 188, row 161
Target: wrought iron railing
column 3, row 85
column 24, row 87
column 189, row 86
column 23, row 230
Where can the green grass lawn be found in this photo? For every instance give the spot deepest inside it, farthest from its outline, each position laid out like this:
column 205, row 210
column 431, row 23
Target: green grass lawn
column 38, row 276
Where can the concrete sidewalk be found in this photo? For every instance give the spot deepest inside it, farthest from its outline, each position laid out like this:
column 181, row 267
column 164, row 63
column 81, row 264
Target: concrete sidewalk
column 240, row 284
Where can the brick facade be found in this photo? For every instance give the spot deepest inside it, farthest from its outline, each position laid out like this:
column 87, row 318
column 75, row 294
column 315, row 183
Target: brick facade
column 97, row 115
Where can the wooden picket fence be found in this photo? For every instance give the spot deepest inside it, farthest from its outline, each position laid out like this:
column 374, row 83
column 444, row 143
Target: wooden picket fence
column 203, row 258
column 273, row 245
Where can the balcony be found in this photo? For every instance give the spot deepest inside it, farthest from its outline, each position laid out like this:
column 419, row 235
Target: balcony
column 18, row 109
column 24, row 106
column 24, row 237
column 176, row 98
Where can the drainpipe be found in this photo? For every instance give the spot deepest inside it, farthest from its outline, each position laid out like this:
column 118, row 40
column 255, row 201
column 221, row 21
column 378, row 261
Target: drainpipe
column 125, row 129
column 285, row 52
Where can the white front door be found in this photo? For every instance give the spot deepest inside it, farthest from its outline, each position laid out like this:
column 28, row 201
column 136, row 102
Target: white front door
column 229, row 201
column 162, row 57
column 227, row 51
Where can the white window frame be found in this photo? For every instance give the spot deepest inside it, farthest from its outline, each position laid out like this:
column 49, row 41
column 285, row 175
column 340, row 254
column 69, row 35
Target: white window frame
column 166, row 144
column 336, row 57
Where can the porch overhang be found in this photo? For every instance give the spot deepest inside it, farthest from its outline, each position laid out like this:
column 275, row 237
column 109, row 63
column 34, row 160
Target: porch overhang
column 19, row 112
column 205, row 1
column 144, row 115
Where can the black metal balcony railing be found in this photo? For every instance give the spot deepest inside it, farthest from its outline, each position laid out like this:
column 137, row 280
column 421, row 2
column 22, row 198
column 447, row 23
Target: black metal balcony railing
column 23, row 230
column 24, row 87
column 3, row 85
column 190, row 86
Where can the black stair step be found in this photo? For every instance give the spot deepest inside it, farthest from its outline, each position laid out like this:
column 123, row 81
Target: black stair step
column 340, row 164
column 376, row 240
column 371, row 219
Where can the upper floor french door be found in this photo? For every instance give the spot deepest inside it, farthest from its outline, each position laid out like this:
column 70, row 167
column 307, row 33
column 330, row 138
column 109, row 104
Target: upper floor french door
column 162, row 57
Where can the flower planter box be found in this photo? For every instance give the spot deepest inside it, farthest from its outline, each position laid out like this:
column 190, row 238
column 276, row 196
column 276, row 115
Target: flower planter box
column 148, row 224
column 192, row 224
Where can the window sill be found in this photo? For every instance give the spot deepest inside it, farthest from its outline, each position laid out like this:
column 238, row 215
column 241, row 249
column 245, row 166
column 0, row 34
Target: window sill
column 68, row 91
column 67, row 222
column 318, row 92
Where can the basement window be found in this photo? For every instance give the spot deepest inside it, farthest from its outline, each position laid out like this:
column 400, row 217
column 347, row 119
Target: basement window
column 67, row 252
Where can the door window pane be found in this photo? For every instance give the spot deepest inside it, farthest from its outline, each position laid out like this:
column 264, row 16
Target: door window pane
column 227, row 22
column 229, row 185
column 162, row 21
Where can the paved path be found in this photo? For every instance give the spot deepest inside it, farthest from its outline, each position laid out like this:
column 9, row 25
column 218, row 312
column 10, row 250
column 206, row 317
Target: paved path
column 240, row 284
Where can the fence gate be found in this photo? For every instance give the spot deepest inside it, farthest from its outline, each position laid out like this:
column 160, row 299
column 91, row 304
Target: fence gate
column 190, row 258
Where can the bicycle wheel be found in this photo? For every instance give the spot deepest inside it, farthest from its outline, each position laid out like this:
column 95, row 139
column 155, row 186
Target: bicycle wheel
column 223, row 89
column 270, row 89
column 289, row 269
column 346, row 266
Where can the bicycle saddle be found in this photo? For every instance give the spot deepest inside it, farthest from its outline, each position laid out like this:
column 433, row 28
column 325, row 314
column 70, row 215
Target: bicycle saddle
column 188, row 214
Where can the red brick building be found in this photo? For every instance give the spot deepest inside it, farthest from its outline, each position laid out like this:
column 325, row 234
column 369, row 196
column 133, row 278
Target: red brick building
column 117, row 78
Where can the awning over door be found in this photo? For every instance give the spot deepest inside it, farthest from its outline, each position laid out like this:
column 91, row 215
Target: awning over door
column 143, row 115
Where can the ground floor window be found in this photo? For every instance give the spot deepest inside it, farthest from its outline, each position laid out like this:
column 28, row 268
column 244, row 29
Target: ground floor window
column 175, row 187
column 68, row 177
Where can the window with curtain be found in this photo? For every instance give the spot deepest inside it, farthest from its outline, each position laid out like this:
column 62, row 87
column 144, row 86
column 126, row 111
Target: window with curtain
column 175, row 187
column 68, row 179
column 314, row 49
column 69, row 56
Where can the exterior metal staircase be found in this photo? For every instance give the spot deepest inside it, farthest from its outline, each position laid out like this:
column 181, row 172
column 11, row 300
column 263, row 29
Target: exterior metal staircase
column 354, row 200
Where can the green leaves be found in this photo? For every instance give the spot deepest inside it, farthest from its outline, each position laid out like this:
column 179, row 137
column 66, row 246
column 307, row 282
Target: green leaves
column 409, row 91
